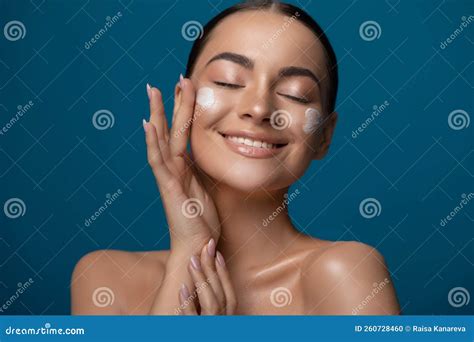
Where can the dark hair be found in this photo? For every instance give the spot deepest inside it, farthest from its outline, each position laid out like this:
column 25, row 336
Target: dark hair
column 287, row 9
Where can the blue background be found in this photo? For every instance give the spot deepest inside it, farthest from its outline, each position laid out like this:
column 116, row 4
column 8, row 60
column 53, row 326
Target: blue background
column 214, row 328
column 62, row 167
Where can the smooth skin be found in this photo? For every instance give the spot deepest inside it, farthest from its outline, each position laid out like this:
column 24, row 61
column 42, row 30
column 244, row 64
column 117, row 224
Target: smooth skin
column 225, row 262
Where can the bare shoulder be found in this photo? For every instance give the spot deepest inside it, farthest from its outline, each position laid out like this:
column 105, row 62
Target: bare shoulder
column 352, row 278
column 344, row 254
column 115, row 282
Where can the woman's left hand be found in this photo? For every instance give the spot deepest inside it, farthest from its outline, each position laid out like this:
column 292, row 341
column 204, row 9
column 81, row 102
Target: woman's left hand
column 213, row 293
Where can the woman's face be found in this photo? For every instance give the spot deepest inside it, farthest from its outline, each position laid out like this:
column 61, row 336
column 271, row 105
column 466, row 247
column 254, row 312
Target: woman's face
column 260, row 82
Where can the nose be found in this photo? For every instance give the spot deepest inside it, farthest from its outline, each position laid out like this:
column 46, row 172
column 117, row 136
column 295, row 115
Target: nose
column 256, row 105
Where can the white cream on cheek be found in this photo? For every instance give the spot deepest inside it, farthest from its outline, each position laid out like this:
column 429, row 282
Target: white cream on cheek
column 313, row 120
column 205, row 97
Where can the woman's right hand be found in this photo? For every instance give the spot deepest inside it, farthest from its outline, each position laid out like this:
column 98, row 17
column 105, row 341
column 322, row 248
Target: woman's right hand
column 191, row 214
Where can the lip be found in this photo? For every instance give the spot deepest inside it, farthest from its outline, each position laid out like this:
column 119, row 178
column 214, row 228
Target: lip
column 252, row 151
column 255, row 136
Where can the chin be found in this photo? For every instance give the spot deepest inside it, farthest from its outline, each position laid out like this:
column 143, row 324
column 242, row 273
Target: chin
column 246, row 176
column 248, row 182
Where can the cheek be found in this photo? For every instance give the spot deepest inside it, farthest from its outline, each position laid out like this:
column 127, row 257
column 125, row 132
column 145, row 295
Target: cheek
column 301, row 124
column 313, row 120
column 205, row 97
column 211, row 106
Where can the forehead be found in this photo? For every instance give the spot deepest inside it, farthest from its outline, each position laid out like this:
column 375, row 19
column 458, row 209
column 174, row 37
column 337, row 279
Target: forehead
column 271, row 39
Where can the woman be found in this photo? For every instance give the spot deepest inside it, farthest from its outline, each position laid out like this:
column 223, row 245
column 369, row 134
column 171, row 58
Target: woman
column 257, row 106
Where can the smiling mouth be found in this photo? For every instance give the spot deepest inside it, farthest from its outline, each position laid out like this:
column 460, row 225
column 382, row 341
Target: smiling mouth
column 252, row 142
column 252, row 147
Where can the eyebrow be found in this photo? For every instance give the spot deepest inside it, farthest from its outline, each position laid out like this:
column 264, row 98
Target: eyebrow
column 298, row 71
column 247, row 63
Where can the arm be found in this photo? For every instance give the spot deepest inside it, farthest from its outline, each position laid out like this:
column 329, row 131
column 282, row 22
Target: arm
column 188, row 232
column 191, row 214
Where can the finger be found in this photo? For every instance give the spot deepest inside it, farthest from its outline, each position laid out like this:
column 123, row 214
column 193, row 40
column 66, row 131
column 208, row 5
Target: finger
column 170, row 188
column 177, row 101
column 207, row 299
column 183, row 119
column 186, row 302
column 224, row 276
column 209, row 267
column 164, row 148
column 157, row 112
column 154, row 153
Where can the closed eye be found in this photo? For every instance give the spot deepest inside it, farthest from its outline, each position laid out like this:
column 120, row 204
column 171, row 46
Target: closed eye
column 295, row 98
column 228, row 85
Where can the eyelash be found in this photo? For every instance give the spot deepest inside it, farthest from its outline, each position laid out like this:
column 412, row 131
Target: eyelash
column 228, row 85
column 237, row 86
column 297, row 99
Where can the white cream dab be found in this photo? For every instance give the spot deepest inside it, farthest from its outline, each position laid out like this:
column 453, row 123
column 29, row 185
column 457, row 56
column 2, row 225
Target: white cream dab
column 205, row 97
column 313, row 120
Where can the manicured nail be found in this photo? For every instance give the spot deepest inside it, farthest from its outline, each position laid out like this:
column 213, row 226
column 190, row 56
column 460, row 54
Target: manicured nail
column 211, row 248
column 195, row 263
column 220, row 259
column 148, row 91
column 144, row 124
column 184, row 291
column 181, row 83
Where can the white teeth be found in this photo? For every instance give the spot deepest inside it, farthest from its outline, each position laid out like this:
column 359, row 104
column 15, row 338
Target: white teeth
column 250, row 142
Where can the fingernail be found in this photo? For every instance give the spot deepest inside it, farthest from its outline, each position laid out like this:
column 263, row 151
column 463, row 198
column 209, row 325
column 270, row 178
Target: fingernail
column 195, row 263
column 211, row 248
column 148, row 91
column 184, row 291
column 220, row 259
column 181, row 83
column 144, row 125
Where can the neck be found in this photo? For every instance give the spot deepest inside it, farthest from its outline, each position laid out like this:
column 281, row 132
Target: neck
column 255, row 227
